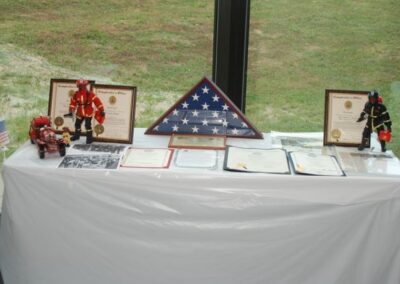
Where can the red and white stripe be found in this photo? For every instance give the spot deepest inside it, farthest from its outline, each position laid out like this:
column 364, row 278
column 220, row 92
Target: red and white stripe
column 4, row 140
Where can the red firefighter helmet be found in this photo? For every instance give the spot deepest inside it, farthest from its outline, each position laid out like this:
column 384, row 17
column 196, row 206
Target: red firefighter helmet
column 81, row 83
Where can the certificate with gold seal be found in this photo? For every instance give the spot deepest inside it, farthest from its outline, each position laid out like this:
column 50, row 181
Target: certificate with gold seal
column 273, row 161
column 61, row 92
column 119, row 105
column 342, row 109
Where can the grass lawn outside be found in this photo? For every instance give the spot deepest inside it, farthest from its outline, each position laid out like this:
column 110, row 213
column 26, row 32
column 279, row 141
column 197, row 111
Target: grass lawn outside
column 297, row 50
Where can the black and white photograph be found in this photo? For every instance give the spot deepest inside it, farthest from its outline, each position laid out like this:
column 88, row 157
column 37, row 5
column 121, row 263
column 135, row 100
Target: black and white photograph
column 103, row 148
column 104, row 161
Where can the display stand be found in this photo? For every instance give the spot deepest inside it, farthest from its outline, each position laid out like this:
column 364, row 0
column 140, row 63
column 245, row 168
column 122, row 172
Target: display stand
column 196, row 223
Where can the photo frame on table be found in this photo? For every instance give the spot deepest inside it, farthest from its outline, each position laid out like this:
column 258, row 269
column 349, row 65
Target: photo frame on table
column 119, row 103
column 61, row 92
column 190, row 141
column 342, row 109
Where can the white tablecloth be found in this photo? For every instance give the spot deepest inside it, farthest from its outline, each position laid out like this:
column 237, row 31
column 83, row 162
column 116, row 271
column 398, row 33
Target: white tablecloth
column 194, row 226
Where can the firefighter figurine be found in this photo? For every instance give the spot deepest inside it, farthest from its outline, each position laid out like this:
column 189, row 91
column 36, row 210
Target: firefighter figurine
column 377, row 119
column 82, row 103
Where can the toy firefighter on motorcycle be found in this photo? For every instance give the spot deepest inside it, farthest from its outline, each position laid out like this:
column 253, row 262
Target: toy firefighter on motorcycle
column 82, row 104
column 377, row 119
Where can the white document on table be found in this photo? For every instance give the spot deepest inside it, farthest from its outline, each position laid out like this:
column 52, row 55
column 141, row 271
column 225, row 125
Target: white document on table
column 315, row 164
column 188, row 158
column 256, row 160
column 147, row 158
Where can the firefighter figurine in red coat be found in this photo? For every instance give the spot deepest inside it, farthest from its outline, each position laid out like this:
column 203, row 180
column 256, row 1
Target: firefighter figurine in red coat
column 377, row 119
column 82, row 103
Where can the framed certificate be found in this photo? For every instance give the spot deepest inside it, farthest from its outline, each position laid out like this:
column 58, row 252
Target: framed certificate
column 119, row 104
column 189, row 141
column 61, row 92
column 342, row 109
column 118, row 101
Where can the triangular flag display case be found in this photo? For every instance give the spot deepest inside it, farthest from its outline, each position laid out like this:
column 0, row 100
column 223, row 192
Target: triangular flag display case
column 206, row 110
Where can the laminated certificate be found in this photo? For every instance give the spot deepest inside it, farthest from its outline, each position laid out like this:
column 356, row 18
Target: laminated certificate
column 315, row 164
column 256, row 160
column 188, row 158
column 147, row 158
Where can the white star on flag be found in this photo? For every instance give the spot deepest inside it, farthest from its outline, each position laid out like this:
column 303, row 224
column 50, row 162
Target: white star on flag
column 235, row 115
column 175, row 112
column 244, row 125
column 185, row 121
column 195, row 129
column 235, row 131
column 195, row 97
column 215, row 98
column 205, row 122
column 165, row 120
column 185, row 105
column 215, row 130
column 175, row 128
column 225, row 123
column 215, row 114
column 205, row 106
column 225, row 107
column 205, row 90
column 195, row 113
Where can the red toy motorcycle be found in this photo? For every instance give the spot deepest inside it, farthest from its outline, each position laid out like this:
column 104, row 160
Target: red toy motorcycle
column 45, row 138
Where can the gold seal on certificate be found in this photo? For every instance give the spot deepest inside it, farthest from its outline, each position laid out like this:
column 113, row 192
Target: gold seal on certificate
column 241, row 165
column 348, row 105
column 58, row 121
column 112, row 100
column 98, row 129
column 336, row 133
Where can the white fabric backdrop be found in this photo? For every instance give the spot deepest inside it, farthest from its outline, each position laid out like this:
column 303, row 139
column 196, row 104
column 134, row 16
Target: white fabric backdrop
column 189, row 226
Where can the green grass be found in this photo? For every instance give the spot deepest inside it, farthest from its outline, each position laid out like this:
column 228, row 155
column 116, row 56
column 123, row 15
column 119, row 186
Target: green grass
column 300, row 48
column 297, row 50
column 151, row 44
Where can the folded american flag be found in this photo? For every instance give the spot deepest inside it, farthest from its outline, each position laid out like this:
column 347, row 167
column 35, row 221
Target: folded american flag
column 206, row 110
column 4, row 140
